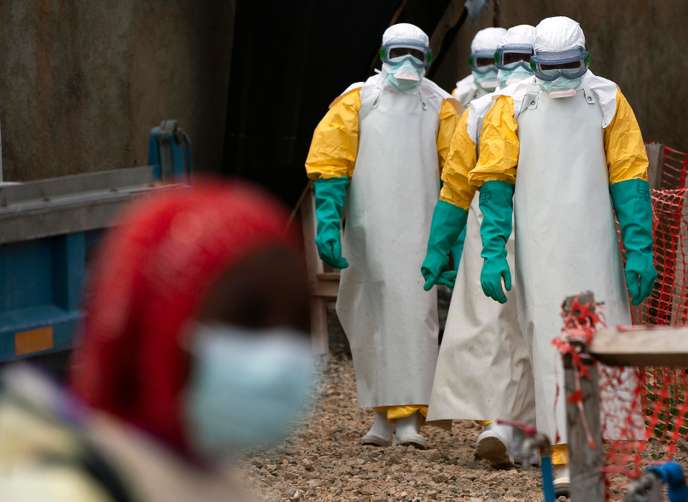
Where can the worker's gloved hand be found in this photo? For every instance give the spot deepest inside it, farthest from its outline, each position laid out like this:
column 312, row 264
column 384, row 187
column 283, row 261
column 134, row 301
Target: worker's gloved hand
column 491, row 276
column 634, row 210
column 496, row 204
column 640, row 276
column 330, row 197
column 448, row 223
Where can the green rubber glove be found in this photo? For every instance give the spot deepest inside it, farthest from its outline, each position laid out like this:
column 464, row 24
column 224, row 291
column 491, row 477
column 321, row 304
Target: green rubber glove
column 448, row 222
column 330, row 196
column 633, row 208
column 497, row 206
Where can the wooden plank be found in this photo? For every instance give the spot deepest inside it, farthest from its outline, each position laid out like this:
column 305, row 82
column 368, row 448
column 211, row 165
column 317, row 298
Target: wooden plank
column 326, row 290
column 329, row 276
column 662, row 347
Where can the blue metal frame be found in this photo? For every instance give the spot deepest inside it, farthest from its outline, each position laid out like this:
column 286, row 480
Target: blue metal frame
column 41, row 284
column 176, row 165
column 42, row 279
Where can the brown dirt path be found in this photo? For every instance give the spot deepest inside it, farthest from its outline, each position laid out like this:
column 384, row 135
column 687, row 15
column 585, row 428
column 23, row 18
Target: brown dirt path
column 324, row 461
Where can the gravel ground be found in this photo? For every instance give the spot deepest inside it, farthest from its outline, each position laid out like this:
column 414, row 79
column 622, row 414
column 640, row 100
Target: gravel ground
column 324, row 462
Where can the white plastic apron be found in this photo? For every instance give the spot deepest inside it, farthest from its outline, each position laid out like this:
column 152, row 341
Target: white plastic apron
column 565, row 235
column 391, row 323
column 483, row 369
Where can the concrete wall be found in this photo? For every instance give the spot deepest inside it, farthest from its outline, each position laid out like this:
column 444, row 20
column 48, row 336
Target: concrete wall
column 82, row 82
column 639, row 44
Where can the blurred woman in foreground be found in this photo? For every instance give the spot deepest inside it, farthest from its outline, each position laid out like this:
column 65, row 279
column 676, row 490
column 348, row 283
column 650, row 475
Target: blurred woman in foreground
column 194, row 349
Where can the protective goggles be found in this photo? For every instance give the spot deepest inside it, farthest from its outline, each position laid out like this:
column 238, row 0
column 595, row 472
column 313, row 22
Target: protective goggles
column 416, row 53
column 482, row 61
column 509, row 57
column 569, row 64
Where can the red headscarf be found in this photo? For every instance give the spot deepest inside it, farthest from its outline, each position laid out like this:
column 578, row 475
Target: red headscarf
column 152, row 273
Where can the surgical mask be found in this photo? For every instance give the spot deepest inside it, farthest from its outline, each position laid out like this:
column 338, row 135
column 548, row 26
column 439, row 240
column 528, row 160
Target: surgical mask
column 487, row 79
column 247, row 389
column 560, row 84
column 403, row 74
column 509, row 76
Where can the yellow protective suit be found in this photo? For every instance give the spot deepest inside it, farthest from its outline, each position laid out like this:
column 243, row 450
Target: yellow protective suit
column 462, row 158
column 623, row 143
column 335, row 141
column 333, row 154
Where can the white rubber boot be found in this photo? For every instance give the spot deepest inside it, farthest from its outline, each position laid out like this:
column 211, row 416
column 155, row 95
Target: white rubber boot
column 381, row 433
column 494, row 445
column 562, row 480
column 408, row 432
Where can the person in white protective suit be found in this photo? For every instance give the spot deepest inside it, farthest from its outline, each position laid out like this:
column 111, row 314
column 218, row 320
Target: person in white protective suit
column 483, row 77
column 483, row 368
column 563, row 153
column 378, row 152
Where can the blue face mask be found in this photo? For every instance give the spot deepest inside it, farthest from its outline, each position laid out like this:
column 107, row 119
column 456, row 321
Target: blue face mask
column 247, row 389
column 403, row 75
column 509, row 76
column 560, row 84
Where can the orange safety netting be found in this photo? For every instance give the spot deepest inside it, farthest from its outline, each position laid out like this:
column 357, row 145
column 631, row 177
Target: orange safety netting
column 644, row 411
column 664, row 391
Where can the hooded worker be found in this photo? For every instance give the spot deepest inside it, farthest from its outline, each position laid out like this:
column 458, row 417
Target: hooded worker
column 563, row 153
column 378, row 152
column 483, row 77
column 482, row 336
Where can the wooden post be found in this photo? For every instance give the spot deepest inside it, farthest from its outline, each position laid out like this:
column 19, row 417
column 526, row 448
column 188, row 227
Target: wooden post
column 655, row 167
column 319, row 331
column 586, row 454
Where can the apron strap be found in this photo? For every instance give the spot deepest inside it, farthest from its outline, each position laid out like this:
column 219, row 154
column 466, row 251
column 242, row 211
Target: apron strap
column 531, row 100
column 371, row 102
column 589, row 96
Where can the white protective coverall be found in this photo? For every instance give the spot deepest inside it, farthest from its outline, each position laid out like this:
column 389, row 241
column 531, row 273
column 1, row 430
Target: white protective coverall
column 562, row 154
column 483, row 352
column 467, row 89
column 390, row 322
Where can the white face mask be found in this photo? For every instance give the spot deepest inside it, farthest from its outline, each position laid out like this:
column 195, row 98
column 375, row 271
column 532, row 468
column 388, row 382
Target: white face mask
column 486, row 80
column 405, row 76
column 511, row 76
column 560, row 84
column 248, row 389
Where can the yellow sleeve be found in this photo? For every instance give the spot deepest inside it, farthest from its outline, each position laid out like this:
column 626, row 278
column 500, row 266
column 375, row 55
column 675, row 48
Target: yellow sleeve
column 461, row 160
column 449, row 116
column 623, row 144
column 335, row 141
column 499, row 145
